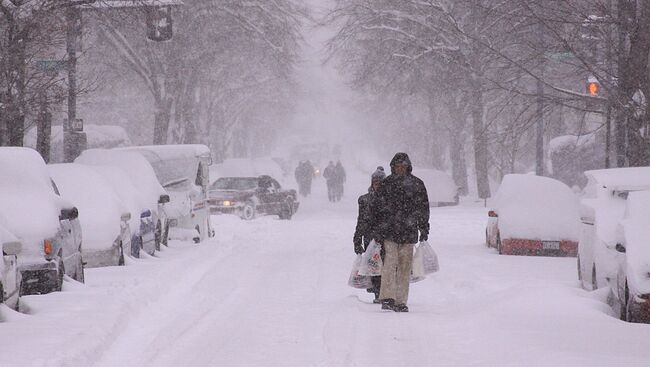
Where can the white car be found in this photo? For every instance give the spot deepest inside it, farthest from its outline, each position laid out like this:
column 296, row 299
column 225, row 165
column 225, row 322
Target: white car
column 134, row 179
column 9, row 274
column 103, row 216
column 632, row 286
column 441, row 188
column 603, row 207
column 46, row 224
column 533, row 215
column 183, row 170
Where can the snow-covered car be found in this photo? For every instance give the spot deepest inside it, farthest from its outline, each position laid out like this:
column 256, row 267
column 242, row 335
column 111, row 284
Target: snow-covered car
column 9, row 274
column 183, row 170
column 103, row 217
column 533, row 215
column 603, row 207
column 150, row 196
column 249, row 197
column 441, row 188
column 46, row 224
column 632, row 286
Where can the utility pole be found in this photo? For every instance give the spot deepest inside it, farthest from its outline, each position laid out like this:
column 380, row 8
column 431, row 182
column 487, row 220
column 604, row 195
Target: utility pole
column 539, row 146
column 74, row 142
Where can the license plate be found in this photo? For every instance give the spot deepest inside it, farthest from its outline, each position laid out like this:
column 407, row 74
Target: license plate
column 551, row 245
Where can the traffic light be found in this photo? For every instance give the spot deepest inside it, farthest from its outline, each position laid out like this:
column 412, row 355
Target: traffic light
column 159, row 23
column 593, row 88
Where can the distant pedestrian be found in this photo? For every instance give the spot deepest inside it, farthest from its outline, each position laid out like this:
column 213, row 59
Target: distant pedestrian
column 304, row 174
column 366, row 227
column 400, row 210
column 340, row 179
column 329, row 174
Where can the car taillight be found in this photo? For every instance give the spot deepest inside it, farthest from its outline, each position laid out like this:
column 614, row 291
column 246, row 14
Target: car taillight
column 47, row 247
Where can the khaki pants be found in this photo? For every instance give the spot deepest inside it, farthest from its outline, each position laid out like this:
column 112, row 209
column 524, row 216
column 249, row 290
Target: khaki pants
column 396, row 272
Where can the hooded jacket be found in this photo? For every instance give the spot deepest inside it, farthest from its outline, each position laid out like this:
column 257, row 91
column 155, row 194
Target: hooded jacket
column 401, row 206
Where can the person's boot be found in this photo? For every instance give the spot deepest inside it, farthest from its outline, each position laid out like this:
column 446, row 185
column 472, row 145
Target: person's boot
column 401, row 308
column 387, row 304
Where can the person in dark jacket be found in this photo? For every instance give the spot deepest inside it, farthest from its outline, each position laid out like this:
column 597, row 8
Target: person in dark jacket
column 400, row 210
column 365, row 231
column 340, row 178
column 329, row 174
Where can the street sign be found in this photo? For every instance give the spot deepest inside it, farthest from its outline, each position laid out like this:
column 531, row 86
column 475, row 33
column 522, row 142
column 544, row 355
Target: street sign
column 76, row 125
column 50, row 66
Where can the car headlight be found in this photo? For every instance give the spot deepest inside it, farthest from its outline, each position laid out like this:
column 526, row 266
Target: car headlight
column 227, row 203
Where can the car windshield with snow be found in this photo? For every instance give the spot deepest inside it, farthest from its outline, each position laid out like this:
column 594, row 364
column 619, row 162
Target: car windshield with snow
column 249, row 197
column 533, row 215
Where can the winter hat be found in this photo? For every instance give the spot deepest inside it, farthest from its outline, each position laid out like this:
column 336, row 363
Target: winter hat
column 379, row 174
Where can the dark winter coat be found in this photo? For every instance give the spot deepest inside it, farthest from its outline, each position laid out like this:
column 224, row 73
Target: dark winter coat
column 364, row 232
column 401, row 207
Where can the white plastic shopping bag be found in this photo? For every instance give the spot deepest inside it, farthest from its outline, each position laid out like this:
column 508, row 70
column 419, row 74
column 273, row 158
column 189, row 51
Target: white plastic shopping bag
column 429, row 258
column 417, row 268
column 371, row 263
column 357, row 280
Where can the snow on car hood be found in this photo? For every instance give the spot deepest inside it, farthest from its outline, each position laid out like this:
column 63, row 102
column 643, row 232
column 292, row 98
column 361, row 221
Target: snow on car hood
column 100, row 208
column 634, row 231
column 534, row 207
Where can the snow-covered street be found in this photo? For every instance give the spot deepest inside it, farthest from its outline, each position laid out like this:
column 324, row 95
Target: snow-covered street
column 270, row 292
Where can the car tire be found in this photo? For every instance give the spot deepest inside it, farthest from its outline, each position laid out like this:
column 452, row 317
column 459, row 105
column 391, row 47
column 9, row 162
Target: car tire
column 499, row 248
column 594, row 278
column 287, row 211
column 157, row 234
column 79, row 272
column 165, row 237
column 198, row 230
column 248, row 212
column 624, row 316
column 120, row 260
column 579, row 270
column 59, row 279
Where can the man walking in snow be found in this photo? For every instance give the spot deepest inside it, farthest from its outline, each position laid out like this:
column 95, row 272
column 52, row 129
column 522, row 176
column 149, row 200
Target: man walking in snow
column 400, row 211
column 330, row 177
column 365, row 231
column 339, row 174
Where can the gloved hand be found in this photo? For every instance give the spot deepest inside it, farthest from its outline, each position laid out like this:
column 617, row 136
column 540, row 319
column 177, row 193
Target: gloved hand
column 358, row 249
column 424, row 236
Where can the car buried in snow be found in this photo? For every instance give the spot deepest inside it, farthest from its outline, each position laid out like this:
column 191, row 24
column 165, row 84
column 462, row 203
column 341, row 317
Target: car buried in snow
column 603, row 206
column 183, row 171
column 46, row 224
column 104, row 218
column 249, row 197
column 125, row 172
column 631, row 288
column 441, row 189
column 9, row 274
column 533, row 215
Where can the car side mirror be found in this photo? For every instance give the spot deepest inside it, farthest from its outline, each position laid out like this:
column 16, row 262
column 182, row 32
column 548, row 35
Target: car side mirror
column 69, row 214
column 163, row 199
column 620, row 248
column 125, row 217
column 493, row 214
column 12, row 248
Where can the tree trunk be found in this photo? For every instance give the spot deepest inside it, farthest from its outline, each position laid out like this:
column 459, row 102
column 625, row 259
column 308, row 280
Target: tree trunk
column 480, row 143
column 162, row 117
column 44, row 130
